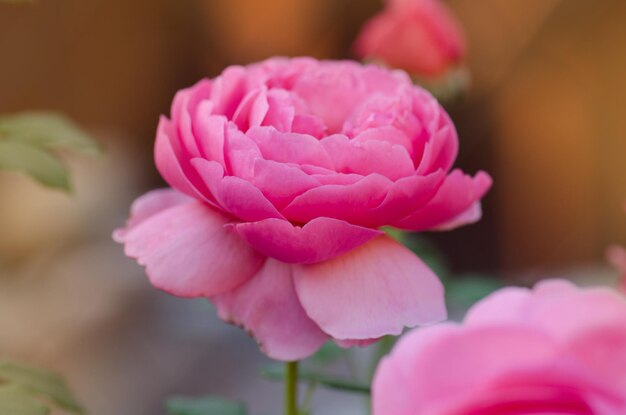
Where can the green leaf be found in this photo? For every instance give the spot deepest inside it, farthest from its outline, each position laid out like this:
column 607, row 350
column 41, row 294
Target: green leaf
column 428, row 253
column 206, row 405
column 328, row 353
column 34, row 161
column 277, row 373
column 47, row 130
column 38, row 383
column 16, row 401
column 466, row 290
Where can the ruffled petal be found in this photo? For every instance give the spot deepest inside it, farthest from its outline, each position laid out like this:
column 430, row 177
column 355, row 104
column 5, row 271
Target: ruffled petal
column 456, row 195
column 290, row 147
column 267, row 307
column 188, row 252
column 280, row 182
column 235, row 195
column 319, row 240
column 368, row 156
column 351, row 202
column 168, row 163
column 374, row 290
column 148, row 205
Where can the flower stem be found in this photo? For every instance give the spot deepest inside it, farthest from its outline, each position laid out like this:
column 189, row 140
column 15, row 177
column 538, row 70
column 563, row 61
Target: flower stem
column 291, row 388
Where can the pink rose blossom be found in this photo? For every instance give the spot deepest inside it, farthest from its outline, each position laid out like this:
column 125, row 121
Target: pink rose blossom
column 616, row 255
column 419, row 36
column 554, row 350
column 282, row 174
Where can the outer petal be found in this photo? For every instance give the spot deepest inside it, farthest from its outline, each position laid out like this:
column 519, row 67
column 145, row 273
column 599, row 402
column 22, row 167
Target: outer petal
column 148, row 205
column 167, row 161
column 268, row 308
column 319, row 240
column 188, row 252
column 372, row 291
column 457, row 194
column 475, row 357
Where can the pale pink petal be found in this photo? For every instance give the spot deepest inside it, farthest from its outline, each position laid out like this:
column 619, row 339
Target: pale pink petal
column 290, row 147
column 188, row 252
column 368, row 156
column 280, row 182
column 319, row 240
column 267, row 307
column 350, row 202
column 474, row 356
column 458, row 193
column 237, row 196
column 149, row 205
column 374, row 290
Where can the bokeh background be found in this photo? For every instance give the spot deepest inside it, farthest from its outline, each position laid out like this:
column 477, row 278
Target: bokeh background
column 545, row 115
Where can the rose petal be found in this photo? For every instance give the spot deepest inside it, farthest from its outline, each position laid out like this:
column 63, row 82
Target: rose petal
column 188, row 252
column 351, row 202
column 319, row 240
column 372, row 291
column 280, row 182
column 167, row 161
column 268, row 308
column 237, row 196
column 368, row 156
column 457, row 194
column 149, row 205
column 290, row 147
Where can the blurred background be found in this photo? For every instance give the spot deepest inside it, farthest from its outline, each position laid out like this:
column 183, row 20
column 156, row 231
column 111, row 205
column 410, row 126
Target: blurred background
column 545, row 115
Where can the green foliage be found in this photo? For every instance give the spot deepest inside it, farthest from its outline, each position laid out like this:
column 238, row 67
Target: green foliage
column 28, row 142
column 206, row 405
column 277, row 373
column 26, row 390
column 327, row 354
column 465, row 291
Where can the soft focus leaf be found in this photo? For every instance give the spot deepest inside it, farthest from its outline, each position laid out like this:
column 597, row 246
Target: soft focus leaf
column 206, row 405
column 466, row 290
column 277, row 373
column 34, row 161
column 428, row 253
column 328, row 353
column 17, row 401
column 25, row 383
column 48, row 130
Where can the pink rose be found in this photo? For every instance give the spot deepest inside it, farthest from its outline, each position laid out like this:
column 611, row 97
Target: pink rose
column 282, row 174
column 616, row 255
column 554, row 350
column 419, row 36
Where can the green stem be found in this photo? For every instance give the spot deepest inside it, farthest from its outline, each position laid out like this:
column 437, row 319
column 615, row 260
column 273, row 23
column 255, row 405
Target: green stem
column 291, row 388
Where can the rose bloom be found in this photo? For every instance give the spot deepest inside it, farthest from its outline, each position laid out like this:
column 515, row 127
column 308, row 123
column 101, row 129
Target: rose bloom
column 616, row 255
column 554, row 350
column 419, row 36
column 282, row 173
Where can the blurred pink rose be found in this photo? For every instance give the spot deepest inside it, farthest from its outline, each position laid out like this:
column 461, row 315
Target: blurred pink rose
column 282, row 172
column 554, row 350
column 616, row 255
column 420, row 36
